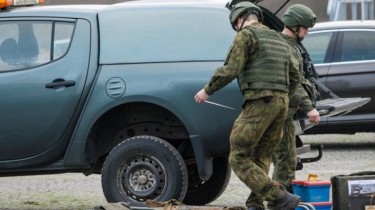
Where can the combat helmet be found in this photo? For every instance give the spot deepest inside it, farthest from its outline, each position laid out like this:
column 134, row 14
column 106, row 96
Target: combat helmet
column 299, row 15
column 241, row 8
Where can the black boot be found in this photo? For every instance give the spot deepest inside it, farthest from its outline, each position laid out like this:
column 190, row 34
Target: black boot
column 287, row 201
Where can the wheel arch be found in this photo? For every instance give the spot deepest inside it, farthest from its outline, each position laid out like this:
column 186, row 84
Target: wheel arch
column 150, row 116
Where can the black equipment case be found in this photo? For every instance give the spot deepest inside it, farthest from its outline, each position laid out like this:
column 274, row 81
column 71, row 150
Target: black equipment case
column 354, row 192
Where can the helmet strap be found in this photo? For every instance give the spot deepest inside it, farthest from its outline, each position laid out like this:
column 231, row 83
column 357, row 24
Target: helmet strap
column 296, row 32
column 244, row 18
column 243, row 22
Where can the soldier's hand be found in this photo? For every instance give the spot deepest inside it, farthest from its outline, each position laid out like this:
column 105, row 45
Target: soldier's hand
column 201, row 96
column 314, row 116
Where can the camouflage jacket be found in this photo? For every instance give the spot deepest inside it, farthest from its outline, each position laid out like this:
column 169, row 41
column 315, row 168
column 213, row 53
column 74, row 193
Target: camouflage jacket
column 300, row 95
column 244, row 44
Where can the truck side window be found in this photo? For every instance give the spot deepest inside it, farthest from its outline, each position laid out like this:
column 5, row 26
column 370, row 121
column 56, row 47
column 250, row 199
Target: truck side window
column 27, row 44
column 63, row 35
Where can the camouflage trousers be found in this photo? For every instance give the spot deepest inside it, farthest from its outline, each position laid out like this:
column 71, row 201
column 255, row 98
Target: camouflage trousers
column 255, row 133
column 285, row 156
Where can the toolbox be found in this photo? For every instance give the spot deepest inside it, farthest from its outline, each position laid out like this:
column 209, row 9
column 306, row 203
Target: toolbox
column 354, row 192
column 312, row 190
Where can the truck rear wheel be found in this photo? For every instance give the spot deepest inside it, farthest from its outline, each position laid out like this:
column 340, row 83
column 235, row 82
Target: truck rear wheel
column 142, row 168
column 203, row 192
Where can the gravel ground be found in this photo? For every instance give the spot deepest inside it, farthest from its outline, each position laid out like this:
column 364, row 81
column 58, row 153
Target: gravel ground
column 343, row 154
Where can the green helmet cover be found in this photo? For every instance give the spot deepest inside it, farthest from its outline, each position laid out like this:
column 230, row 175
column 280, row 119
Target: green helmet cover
column 241, row 8
column 299, row 15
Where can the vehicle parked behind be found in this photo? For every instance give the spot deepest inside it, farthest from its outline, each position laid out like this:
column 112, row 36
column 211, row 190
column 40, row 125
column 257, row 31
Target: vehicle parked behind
column 343, row 53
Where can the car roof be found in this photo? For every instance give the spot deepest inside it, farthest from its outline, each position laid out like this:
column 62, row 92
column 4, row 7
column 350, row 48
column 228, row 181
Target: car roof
column 348, row 24
column 172, row 1
column 94, row 9
column 51, row 10
column 97, row 7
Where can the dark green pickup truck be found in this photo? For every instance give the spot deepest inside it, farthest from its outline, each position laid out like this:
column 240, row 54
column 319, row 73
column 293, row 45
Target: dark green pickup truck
column 109, row 89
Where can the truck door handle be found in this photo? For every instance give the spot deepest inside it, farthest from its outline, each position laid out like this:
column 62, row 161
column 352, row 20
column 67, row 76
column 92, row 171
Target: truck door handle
column 60, row 83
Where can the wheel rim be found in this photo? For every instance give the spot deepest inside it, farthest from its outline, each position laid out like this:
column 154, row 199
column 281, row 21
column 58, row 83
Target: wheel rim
column 143, row 178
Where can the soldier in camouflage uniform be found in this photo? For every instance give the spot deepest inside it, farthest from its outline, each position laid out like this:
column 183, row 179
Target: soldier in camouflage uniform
column 259, row 59
column 302, row 93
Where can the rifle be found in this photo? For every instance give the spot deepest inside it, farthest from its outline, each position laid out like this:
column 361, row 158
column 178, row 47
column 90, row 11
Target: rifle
column 310, row 72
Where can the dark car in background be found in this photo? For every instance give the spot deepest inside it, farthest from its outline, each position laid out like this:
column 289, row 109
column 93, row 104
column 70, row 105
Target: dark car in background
column 343, row 53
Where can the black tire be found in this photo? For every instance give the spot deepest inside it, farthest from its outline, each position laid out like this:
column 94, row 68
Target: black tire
column 204, row 192
column 142, row 168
